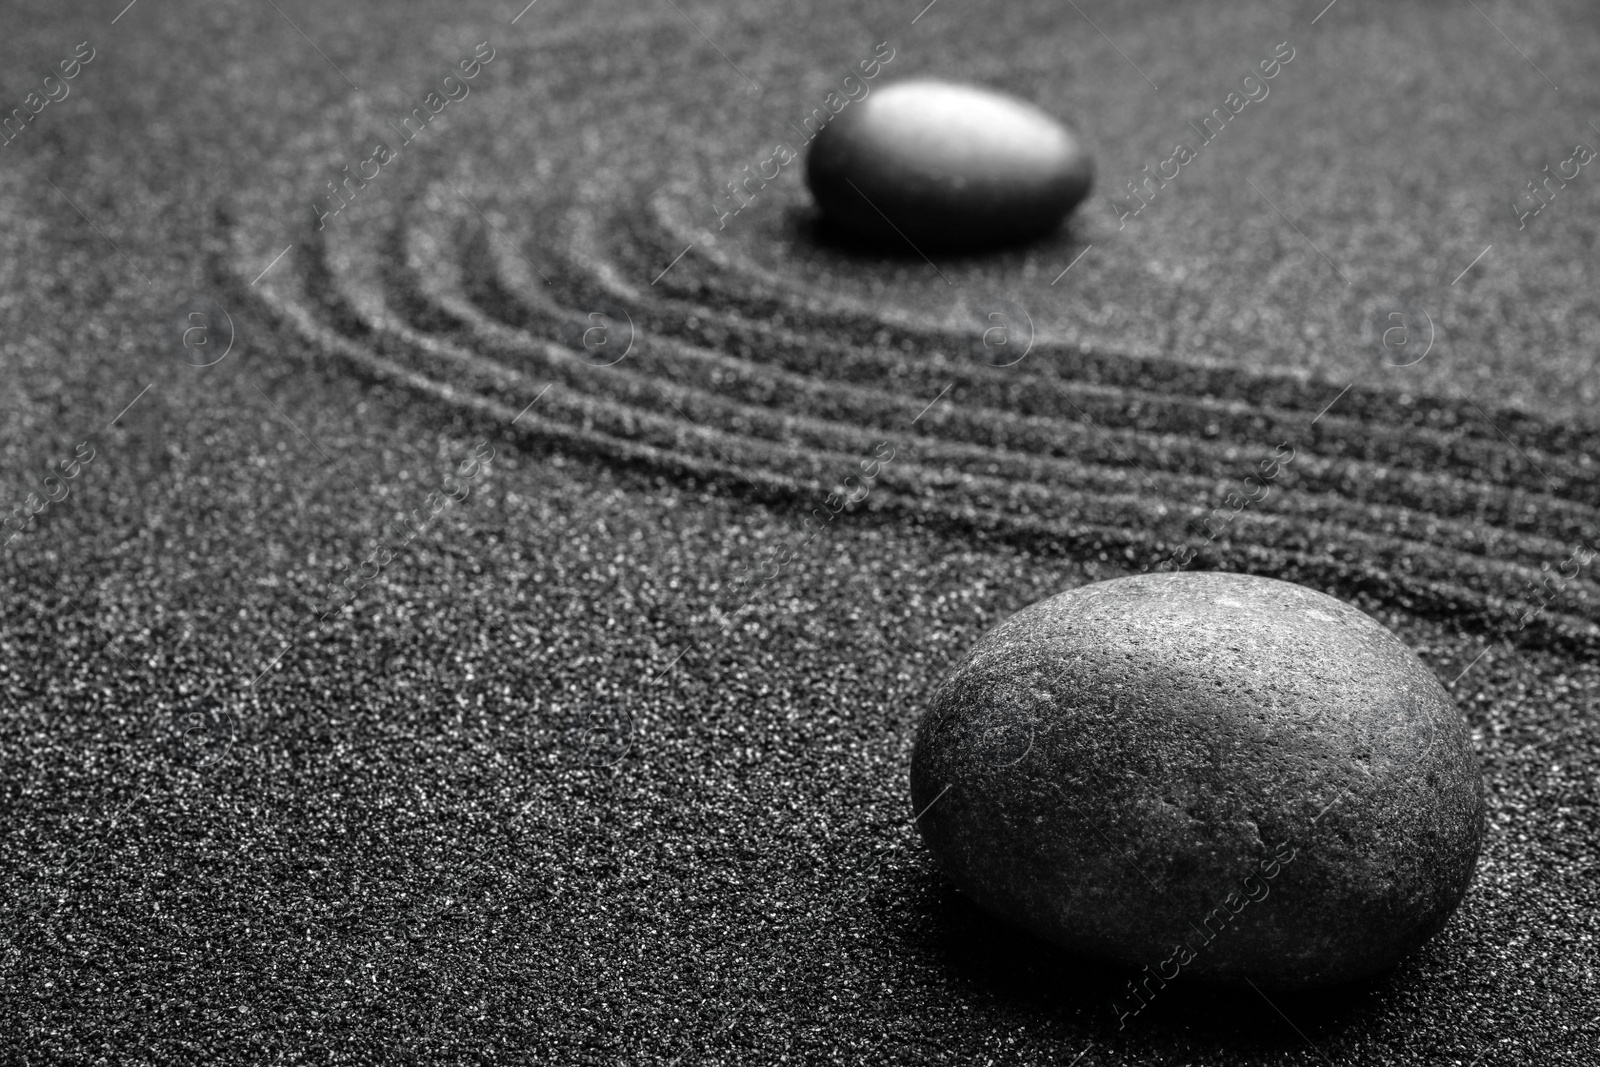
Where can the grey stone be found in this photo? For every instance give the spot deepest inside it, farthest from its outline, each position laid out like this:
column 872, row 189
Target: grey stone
column 941, row 164
column 1209, row 774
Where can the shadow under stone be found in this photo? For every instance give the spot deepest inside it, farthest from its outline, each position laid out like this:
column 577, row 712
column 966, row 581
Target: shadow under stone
column 992, row 960
column 811, row 228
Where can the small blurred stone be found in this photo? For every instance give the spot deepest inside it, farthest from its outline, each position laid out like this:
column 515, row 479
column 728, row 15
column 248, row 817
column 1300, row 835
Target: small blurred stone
column 1219, row 774
column 944, row 165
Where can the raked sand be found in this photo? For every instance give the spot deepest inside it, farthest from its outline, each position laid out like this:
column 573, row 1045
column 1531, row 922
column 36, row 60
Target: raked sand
column 327, row 737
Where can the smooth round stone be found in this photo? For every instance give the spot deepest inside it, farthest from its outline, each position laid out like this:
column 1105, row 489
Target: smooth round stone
column 1209, row 774
column 946, row 164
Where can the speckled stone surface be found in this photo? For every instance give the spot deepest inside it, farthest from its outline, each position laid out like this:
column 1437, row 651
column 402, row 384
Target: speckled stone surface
column 1212, row 774
column 946, row 165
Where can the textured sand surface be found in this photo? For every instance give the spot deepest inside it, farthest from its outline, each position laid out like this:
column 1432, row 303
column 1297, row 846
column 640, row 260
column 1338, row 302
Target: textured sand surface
column 606, row 763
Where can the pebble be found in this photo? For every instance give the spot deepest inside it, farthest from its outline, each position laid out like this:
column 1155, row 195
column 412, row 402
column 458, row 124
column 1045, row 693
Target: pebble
column 1210, row 774
column 946, row 165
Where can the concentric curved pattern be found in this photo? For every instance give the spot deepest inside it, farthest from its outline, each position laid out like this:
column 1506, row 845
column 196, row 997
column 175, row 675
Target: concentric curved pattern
column 491, row 287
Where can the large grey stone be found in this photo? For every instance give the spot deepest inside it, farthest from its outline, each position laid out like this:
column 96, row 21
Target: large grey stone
column 1214, row 774
column 941, row 164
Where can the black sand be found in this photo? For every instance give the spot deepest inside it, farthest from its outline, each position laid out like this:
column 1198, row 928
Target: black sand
column 533, row 796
